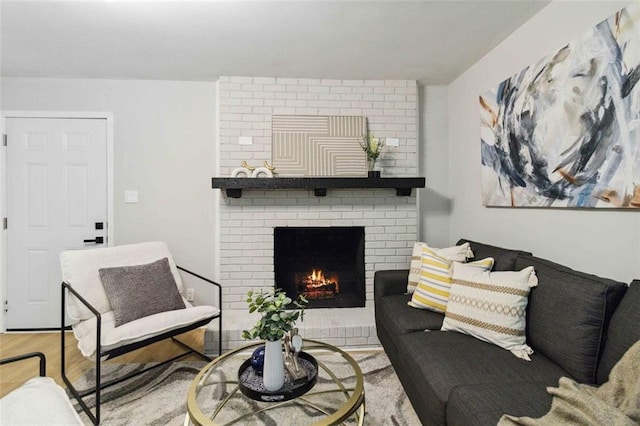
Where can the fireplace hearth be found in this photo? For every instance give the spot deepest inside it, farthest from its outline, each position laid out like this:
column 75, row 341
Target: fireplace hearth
column 324, row 264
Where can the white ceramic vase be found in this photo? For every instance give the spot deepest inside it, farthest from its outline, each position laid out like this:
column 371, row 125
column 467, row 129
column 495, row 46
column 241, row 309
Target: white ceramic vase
column 273, row 370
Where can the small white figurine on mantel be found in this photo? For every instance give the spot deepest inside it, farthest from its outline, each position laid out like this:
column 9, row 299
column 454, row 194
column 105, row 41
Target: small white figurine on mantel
column 255, row 172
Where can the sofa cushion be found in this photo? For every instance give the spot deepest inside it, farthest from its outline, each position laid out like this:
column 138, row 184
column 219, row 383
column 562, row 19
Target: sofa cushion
column 491, row 306
column 138, row 291
column 485, row 404
column 400, row 318
column 568, row 314
column 504, row 259
column 442, row 361
column 623, row 332
column 459, row 253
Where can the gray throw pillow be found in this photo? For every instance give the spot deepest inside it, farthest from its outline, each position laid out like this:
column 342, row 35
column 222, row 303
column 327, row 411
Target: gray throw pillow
column 141, row 290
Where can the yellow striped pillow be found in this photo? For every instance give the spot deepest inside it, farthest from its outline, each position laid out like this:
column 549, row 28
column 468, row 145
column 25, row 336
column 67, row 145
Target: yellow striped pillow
column 432, row 291
column 458, row 253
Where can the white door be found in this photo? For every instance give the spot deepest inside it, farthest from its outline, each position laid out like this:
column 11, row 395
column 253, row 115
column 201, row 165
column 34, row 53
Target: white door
column 56, row 198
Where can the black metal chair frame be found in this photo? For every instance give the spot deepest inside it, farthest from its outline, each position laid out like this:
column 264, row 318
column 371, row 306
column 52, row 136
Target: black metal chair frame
column 78, row 395
column 43, row 360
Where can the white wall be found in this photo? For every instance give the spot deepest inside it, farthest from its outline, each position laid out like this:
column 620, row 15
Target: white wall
column 434, row 200
column 601, row 241
column 163, row 147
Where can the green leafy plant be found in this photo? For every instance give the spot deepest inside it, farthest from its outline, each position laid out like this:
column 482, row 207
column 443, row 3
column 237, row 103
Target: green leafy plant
column 372, row 146
column 279, row 314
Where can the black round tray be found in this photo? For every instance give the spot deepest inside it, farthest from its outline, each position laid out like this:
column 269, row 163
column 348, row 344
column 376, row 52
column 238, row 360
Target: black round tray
column 252, row 386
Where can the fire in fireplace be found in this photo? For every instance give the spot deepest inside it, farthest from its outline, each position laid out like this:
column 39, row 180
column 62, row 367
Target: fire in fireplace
column 315, row 286
column 324, row 264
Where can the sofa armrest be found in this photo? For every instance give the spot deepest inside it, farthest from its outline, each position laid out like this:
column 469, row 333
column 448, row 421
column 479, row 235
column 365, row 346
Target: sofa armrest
column 390, row 282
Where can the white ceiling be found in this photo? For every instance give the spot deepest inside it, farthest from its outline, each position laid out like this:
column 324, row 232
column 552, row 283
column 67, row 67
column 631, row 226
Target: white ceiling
column 429, row 41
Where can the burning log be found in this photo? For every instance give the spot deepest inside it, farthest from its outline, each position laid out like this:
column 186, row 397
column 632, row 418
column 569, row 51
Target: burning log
column 315, row 286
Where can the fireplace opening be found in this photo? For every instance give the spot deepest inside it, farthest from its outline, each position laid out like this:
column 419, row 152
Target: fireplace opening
column 324, row 264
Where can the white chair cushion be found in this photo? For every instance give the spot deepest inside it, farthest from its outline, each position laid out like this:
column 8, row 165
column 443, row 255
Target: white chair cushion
column 138, row 330
column 39, row 401
column 80, row 269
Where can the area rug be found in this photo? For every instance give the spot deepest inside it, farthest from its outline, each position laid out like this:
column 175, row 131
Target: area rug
column 159, row 397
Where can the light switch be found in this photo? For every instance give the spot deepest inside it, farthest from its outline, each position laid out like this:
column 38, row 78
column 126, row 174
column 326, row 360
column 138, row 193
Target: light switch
column 130, row 196
column 245, row 140
column 393, row 142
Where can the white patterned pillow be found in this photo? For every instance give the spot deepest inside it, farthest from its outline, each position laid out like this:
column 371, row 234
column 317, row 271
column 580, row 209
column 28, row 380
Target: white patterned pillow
column 458, row 253
column 432, row 291
column 491, row 306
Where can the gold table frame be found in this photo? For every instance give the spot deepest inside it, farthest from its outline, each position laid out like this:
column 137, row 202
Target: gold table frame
column 354, row 404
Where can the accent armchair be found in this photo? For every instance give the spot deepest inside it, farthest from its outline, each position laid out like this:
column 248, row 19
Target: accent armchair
column 123, row 298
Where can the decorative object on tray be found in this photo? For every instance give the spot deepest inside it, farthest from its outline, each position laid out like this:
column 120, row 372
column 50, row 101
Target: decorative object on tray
column 247, row 170
column 276, row 321
column 257, row 359
column 273, row 369
column 372, row 147
column 292, row 348
column 252, row 384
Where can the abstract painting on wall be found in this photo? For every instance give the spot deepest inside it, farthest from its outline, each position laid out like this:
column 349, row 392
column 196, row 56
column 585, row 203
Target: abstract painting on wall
column 565, row 131
column 322, row 145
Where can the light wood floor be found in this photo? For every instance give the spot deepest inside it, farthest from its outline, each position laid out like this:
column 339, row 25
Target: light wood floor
column 12, row 344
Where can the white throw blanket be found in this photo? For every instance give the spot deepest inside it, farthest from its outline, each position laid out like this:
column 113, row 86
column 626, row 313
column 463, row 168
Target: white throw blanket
column 614, row 403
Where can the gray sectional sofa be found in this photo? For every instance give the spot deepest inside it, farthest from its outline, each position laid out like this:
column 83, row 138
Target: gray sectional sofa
column 579, row 326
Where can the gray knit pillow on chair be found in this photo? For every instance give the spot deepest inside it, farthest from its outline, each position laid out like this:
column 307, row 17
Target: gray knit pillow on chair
column 138, row 291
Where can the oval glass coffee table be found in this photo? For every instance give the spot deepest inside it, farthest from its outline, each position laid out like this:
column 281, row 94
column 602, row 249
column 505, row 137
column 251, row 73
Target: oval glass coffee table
column 214, row 397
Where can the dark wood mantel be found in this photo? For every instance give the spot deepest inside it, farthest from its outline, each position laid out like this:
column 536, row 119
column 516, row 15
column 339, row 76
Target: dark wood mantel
column 234, row 186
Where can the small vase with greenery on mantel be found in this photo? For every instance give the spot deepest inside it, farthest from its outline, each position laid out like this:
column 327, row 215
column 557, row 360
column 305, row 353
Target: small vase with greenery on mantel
column 372, row 147
column 279, row 314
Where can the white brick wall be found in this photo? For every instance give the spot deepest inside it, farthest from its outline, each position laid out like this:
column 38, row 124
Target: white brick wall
column 246, row 105
column 247, row 224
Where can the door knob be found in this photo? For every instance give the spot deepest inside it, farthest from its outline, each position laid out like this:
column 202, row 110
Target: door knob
column 97, row 240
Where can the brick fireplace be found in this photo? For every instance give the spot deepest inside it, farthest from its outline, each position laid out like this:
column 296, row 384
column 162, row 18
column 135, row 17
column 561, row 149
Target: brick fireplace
column 247, row 225
column 324, row 264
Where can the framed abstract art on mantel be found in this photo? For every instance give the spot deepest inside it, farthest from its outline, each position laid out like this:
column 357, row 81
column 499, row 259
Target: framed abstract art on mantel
column 322, row 145
column 565, row 131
